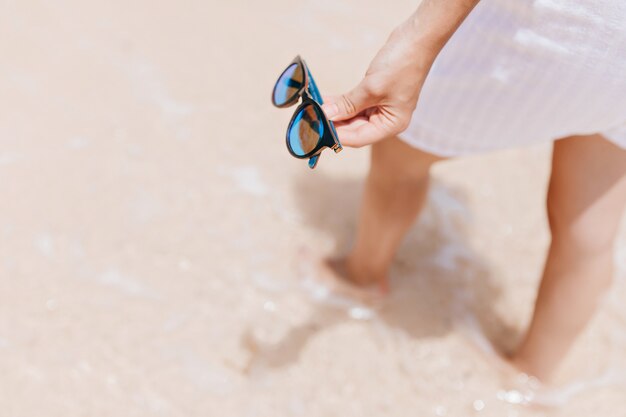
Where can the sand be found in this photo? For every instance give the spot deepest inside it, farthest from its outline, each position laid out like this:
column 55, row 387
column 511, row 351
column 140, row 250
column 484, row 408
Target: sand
column 150, row 217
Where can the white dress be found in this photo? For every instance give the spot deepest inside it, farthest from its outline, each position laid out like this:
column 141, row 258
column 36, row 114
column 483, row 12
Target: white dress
column 519, row 72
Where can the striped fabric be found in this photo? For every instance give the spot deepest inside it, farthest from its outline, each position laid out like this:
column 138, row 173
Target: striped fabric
column 519, row 72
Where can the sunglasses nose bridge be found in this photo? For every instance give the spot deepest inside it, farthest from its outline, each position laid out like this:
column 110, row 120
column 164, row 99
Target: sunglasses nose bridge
column 305, row 93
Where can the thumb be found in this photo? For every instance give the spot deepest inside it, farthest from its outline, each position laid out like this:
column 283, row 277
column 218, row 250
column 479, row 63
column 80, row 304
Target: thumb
column 348, row 105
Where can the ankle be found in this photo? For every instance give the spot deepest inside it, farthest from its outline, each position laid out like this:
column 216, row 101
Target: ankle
column 523, row 367
column 365, row 273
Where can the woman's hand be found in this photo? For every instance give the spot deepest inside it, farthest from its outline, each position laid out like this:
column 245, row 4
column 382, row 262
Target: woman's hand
column 382, row 104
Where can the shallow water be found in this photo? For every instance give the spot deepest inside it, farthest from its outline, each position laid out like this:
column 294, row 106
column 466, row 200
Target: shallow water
column 151, row 218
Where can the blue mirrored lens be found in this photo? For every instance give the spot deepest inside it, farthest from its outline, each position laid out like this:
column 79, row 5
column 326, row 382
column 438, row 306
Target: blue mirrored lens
column 306, row 130
column 288, row 85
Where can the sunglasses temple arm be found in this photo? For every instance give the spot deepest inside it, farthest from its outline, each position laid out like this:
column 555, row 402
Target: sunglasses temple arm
column 313, row 161
column 317, row 96
column 315, row 92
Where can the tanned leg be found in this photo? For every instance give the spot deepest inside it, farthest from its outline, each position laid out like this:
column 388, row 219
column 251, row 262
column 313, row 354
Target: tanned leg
column 586, row 200
column 395, row 192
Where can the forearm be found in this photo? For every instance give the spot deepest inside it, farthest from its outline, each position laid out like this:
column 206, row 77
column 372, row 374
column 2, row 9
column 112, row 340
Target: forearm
column 433, row 24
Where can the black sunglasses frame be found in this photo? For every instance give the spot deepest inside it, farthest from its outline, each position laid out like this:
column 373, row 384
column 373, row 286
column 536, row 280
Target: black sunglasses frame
column 310, row 97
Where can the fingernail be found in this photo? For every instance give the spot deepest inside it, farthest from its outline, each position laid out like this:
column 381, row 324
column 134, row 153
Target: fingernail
column 331, row 110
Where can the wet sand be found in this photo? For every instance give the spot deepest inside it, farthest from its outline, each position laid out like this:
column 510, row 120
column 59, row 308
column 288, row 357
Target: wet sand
column 150, row 216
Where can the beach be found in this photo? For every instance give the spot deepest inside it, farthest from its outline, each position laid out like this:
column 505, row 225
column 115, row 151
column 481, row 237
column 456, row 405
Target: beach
column 151, row 219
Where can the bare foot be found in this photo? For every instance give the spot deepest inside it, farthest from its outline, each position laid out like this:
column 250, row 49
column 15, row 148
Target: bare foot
column 521, row 367
column 329, row 281
column 345, row 276
column 518, row 387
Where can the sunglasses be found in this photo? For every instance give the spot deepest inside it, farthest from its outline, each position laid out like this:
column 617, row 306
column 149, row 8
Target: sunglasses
column 309, row 131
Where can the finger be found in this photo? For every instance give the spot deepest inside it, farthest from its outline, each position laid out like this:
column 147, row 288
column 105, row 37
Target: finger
column 353, row 123
column 360, row 134
column 329, row 99
column 348, row 105
column 329, row 106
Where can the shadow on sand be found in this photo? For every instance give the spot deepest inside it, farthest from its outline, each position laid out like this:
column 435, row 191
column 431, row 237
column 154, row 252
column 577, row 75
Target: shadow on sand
column 437, row 279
